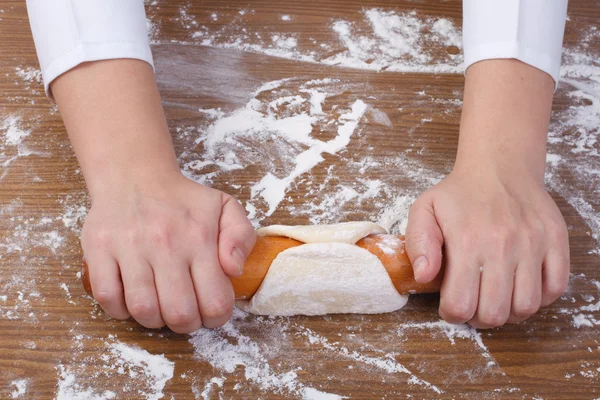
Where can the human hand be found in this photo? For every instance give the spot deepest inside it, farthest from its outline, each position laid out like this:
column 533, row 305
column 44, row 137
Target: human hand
column 505, row 242
column 162, row 250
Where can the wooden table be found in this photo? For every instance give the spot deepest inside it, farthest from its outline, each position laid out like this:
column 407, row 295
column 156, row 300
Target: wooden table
column 57, row 340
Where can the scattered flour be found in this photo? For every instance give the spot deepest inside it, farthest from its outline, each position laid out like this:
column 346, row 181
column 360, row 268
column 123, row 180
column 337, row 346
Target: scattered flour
column 69, row 389
column 29, row 74
column 20, row 388
column 384, row 40
column 147, row 374
column 227, row 348
column 155, row 369
column 13, row 132
column 574, row 134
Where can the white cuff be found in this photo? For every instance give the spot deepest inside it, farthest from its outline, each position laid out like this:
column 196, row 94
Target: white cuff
column 70, row 32
column 530, row 31
column 85, row 52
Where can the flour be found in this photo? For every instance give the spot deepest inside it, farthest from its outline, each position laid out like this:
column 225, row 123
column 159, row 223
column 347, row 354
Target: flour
column 574, row 134
column 20, row 388
column 69, row 389
column 387, row 364
column 156, row 369
column 146, row 374
column 289, row 122
column 272, row 189
column 13, row 132
column 384, row 40
column 227, row 348
column 29, row 74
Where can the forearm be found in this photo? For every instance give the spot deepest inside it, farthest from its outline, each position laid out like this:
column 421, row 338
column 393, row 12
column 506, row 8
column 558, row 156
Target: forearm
column 505, row 118
column 114, row 117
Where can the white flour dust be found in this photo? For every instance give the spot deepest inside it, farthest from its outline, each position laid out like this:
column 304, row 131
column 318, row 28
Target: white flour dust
column 20, row 388
column 145, row 374
column 573, row 168
column 284, row 132
column 384, row 40
column 227, row 348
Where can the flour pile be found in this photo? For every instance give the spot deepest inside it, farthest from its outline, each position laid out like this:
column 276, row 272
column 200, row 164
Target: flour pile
column 146, row 374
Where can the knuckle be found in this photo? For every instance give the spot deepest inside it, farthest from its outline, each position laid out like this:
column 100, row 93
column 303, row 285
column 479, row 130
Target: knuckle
column 161, row 235
column 558, row 232
column 181, row 317
column 133, row 237
column 503, row 240
column 529, row 240
column 418, row 240
column 218, row 308
column 105, row 297
column 493, row 318
column 467, row 241
column 457, row 312
column 557, row 288
column 526, row 309
column 143, row 310
column 202, row 233
column 102, row 239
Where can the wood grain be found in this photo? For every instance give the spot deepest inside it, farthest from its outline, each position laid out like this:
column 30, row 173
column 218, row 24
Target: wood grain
column 48, row 324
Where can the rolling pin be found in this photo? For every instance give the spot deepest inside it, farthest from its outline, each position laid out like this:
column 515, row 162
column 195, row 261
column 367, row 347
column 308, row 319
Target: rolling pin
column 388, row 248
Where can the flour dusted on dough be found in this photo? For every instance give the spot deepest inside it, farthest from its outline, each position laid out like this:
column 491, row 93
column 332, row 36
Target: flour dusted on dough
column 327, row 275
column 325, row 278
column 347, row 232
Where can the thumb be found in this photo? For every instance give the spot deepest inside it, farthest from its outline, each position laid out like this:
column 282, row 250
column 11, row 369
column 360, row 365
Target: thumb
column 424, row 240
column 236, row 237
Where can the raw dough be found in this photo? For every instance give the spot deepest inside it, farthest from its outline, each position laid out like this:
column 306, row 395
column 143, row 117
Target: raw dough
column 328, row 275
column 347, row 232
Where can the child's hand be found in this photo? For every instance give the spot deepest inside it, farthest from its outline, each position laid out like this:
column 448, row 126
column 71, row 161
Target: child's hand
column 162, row 251
column 505, row 244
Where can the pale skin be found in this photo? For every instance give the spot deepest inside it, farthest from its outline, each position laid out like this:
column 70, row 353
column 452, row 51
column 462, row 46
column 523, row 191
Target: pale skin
column 161, row 248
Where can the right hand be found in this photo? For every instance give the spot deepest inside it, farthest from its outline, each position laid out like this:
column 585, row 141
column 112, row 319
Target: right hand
column 162, row 251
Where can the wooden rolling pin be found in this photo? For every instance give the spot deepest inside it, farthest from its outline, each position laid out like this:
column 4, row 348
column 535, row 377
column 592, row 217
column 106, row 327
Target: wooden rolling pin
column 388, row 248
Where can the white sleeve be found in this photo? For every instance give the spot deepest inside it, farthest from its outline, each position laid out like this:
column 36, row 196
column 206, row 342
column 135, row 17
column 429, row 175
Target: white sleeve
column 70, row 32
column 529, row 30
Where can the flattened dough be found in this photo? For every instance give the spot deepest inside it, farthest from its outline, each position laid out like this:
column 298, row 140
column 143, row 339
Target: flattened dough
column 328, row 275
column 347, row 232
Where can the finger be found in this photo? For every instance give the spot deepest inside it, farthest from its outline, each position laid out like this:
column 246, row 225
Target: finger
column 140, row 293
column 555, row 275
column 424, row 240
column 236, row 237
column 495, row 295
column 460, row 288
column 177, row 296
column 213, row 288
column 527, row 292
column 106, row 284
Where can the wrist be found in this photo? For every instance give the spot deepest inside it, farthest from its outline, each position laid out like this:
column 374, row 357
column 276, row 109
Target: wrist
column 505, row 118
column 499, row 156
column 151, row 176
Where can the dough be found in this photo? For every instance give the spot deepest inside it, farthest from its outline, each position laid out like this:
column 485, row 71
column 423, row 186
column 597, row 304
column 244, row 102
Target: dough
column 327, row 275
column 347, row 232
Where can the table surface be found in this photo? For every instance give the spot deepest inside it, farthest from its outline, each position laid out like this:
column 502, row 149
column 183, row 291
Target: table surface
column 211, row 59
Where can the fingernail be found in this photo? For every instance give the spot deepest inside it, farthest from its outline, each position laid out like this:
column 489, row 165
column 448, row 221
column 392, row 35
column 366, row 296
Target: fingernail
column 419, row 265
column 240, row 259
